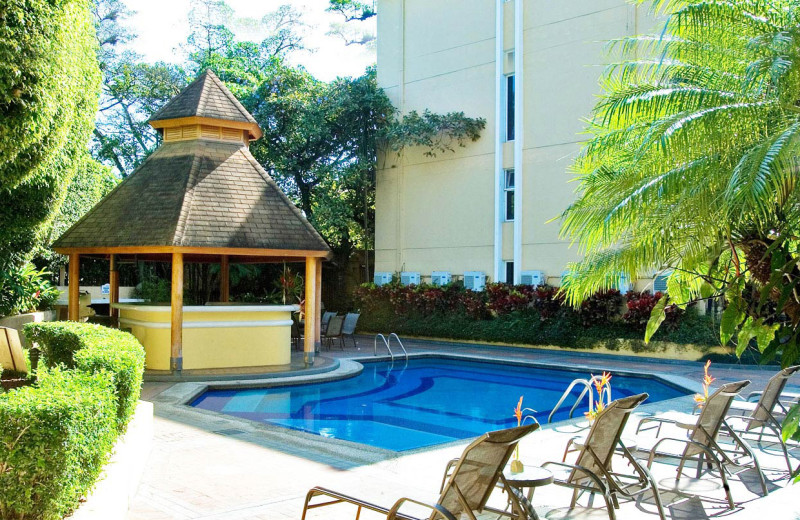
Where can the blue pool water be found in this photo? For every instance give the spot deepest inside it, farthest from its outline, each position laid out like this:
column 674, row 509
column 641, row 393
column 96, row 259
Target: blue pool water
column 430, row 401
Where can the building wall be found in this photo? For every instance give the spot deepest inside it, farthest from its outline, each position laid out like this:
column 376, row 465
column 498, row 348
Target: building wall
column 439, row 213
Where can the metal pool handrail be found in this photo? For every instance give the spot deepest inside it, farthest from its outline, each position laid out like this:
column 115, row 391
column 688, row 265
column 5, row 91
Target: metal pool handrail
column 587, row 387
column 395, row 336
column 385, row 343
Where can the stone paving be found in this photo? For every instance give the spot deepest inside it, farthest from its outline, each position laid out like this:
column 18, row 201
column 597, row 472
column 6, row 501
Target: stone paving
column 214, row 467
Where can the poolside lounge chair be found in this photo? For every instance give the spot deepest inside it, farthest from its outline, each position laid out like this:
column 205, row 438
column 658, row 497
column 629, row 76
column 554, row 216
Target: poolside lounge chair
column 593, row 473
column 11, row 355
column 767, row 414
column 334, row 332
column 475, row 477
column 700, row 439
column 349, row 327
column 12, row 358
column 326, row 318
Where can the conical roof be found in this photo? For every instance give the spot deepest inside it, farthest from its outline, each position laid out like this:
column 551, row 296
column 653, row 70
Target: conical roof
column 208, row 99
column 197, row 193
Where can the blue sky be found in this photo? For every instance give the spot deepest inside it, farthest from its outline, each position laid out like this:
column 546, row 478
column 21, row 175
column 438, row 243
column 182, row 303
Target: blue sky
column 162, row 26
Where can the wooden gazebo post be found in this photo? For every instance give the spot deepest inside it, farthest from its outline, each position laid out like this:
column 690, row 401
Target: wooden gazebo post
column 311, row 338
column 113, row 285
column 74, row 290
column 176, row 302
column 224, row 279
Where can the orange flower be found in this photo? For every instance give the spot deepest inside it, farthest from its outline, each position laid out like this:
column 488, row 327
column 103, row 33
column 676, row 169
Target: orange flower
column 707, row 380
column 518, row 412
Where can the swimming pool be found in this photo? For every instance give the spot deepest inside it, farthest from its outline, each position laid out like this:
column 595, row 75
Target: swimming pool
column 430, row 401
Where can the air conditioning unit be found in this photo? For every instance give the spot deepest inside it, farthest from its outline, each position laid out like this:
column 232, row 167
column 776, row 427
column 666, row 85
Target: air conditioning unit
column 660, row 283
column 474, row 280
column 409, row 278
column 441, row 278
column 533, row 278
column 382, row 278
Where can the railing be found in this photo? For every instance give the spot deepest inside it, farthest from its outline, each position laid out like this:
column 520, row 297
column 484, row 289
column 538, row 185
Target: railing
column 587, row 388
column 385, row 343
column 395, row 336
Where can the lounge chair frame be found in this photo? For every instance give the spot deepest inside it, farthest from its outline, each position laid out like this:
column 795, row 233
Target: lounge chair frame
column 461, row 500
column 600, row 479
column 701, row 445
column 763, row 417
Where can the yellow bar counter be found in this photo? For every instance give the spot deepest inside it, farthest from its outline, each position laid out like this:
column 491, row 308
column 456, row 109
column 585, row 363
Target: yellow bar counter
column 215, row 336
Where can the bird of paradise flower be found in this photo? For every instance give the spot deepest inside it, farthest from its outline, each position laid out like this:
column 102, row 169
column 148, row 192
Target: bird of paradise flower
column 707, row 380
column 522, row 415
column 603, row 385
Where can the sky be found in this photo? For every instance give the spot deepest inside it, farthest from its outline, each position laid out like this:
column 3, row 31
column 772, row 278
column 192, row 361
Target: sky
column 162, row 26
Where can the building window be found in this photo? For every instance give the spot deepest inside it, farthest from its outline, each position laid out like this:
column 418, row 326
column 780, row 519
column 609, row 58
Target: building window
column 509, row 272
column 508, row 195
column 509, row 111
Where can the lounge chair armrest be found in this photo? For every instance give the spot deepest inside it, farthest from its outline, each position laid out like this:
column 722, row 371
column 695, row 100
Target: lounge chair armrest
column 590, row 474
column 655, row 419
column 394, row 512
column 654, row 450
column 338, row 498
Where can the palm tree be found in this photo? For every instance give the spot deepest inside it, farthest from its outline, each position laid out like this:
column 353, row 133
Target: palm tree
column 692, row 164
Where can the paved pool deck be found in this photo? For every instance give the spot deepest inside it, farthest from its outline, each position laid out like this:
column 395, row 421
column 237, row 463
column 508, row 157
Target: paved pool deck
column 215, row 467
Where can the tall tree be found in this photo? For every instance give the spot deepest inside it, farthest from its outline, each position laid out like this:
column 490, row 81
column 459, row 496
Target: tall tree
column 132, row 92
column 692, row 167
column 49, row 85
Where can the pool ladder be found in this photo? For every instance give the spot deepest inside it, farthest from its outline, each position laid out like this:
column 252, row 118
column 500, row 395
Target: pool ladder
column 588, row 385
column 387, row 342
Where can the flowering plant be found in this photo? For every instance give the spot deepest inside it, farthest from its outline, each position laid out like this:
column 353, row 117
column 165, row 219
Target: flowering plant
column 707, row 380
column 603, row 385
column 520, row 414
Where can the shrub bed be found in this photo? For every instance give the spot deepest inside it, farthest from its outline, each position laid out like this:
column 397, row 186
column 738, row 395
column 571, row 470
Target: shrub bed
column 94, row 348
column 56, row 436
column 523, row 314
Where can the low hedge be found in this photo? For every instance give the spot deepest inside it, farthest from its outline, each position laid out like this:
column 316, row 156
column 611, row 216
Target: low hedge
column 94, row 348
column 564, row 329
column 55, row 438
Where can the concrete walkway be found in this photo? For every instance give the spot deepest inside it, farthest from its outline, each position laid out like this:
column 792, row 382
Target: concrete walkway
column 209, row 466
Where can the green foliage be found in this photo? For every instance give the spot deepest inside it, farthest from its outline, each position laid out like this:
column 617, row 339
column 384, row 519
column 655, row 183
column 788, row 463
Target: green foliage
column 56, row 437
column 434, row 132
column 691, row 166
column 95, row 349
column 49, row 81
column 515, row 314
column 353, row 9
column 657, row 316
column 25, row 289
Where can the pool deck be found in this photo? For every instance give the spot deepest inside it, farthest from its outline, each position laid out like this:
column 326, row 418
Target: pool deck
column 215, row 467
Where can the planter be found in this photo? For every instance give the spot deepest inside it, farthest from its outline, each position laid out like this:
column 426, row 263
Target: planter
column 10, row 384
column 18, row 321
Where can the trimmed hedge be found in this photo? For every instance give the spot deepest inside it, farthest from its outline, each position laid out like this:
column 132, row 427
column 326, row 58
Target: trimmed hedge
column 95, row 349
column 55, row 438
column 528, row 315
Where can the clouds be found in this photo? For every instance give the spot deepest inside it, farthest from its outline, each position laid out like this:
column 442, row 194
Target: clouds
column 162, row 28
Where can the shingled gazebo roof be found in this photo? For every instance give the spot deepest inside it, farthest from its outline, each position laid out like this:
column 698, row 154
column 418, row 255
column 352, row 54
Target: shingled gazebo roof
column 205, row 99
column 197, row 195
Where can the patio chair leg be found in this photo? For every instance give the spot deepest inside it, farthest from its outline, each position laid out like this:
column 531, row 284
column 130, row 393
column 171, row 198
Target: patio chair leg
column 700, row 465
column 574, row 499
column 612, row 514
column 656, row 494
column 725, row 485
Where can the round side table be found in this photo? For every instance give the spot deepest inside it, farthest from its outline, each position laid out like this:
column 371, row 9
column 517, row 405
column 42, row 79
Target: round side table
column 531, row 477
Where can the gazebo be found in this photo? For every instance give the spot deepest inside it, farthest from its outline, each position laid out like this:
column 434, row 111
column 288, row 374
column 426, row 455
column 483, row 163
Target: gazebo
column 202, row 197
